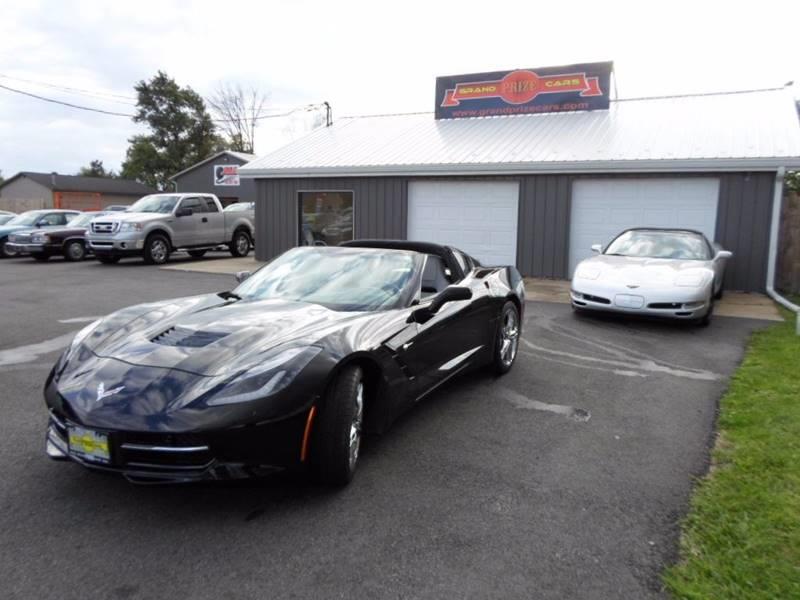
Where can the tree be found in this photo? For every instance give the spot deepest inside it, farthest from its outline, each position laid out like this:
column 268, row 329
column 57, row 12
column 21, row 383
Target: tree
column 181, row 132
column 2, row 179
column 238, row 111
column 96, row 169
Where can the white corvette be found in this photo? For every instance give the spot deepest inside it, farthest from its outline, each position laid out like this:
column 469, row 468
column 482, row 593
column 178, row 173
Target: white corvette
column 657, row 272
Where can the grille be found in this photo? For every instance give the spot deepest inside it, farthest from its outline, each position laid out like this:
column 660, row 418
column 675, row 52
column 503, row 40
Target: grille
column 105, row 226
column 187, row 338
column 19, row 238
column 598, row 299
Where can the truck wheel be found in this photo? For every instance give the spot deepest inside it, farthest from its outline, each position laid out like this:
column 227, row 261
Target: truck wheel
column 156, row 249
column 197, row 253
column 240, row 244
column 108, row 259
column 74, row 251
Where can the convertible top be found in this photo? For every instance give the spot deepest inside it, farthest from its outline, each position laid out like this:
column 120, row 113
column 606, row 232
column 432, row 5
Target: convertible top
column 444, row 252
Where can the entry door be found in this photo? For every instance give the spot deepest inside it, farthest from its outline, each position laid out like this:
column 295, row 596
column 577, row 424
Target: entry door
column 478, row 217
column 602, row 208
column 186, row 229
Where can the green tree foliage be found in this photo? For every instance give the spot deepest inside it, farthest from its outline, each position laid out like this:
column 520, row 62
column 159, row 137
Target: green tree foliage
column 96, row 169
column 181, row 132
column 793, row 180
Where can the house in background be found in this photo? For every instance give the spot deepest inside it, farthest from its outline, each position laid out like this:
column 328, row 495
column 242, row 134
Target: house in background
column 218, row 174
column 28, row 191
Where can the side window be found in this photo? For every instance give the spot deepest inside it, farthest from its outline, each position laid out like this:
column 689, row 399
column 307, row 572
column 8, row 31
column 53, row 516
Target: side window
column 434, row 278
column 462, row 261
column 209, row 205
column 51, row 219
column 193, row 203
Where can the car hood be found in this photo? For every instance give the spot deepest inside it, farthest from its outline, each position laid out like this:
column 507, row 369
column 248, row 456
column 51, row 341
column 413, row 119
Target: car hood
column 137, row 217
column 658, row 272
column 6, row 229
column 210, row 336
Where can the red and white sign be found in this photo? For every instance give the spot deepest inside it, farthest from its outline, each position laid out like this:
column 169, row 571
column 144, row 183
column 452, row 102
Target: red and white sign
column 226, row 174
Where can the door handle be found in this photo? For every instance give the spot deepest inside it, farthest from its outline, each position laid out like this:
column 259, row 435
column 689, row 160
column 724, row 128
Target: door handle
column 205, row 219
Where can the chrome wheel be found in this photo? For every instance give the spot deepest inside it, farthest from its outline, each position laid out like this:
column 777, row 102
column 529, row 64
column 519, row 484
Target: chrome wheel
column 242, row 244
column 355, row 426
column 509, row 336
column 75, row 251
column 159, row 250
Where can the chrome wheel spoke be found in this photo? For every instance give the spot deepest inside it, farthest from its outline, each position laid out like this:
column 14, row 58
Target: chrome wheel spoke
column 355, row 426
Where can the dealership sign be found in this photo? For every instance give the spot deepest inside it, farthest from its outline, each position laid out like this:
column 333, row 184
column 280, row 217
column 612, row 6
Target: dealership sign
column 226, row 174
column 524, row 91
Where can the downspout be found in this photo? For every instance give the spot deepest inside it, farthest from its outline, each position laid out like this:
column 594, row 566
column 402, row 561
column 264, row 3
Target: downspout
column 774, row 231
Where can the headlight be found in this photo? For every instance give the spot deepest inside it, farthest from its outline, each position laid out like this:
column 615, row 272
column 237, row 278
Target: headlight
column 689, row 280
column 271, row 376
column 130, row 227
column 587, row 272
column 76, row 342
column 41, row 238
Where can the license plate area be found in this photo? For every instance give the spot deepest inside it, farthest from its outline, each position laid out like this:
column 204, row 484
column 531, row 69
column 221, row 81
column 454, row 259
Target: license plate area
column 88, row 445
column 629, row 301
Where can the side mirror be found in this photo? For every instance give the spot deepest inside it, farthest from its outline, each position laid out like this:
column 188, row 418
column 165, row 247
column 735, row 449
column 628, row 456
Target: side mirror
column 597, row 248
column 452, row 293
column 184, row 212
column 242, row 275
column 723, row 254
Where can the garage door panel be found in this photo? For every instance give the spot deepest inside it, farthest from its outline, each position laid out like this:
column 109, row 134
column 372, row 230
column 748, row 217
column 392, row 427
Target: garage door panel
column 477, row 217
column 601, row 209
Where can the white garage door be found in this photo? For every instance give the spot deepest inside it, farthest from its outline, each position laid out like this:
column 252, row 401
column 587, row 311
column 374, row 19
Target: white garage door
column 603, row 208
column 479, row 218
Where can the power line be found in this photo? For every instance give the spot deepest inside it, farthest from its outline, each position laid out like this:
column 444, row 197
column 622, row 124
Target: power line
column 80, row 91
column 130, row 116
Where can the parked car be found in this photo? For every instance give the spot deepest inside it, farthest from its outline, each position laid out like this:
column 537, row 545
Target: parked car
column 33, row 219
column 286, row 370
column 116, row 208
column 673, row 273
column 240, row 206
column 68, row 240
column 160, row 224
column 6, row 217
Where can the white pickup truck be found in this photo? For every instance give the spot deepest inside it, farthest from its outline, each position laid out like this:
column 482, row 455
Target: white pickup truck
column 158, row 225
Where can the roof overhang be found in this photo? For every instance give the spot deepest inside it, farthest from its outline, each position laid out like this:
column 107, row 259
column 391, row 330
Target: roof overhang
column 548, row 168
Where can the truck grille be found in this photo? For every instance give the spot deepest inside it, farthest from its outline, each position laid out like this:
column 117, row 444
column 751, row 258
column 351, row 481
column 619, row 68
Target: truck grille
column 105, row 227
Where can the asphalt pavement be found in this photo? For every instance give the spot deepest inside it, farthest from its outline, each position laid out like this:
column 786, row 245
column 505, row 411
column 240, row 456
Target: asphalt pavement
column 565, row 478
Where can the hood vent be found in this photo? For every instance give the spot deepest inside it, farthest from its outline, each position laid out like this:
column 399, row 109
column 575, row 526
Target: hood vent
column 187, row 338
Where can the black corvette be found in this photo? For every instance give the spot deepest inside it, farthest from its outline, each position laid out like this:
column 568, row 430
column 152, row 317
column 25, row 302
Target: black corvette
column 286, row 370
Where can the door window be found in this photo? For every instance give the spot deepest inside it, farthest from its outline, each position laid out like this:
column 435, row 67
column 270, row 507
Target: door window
column 326, row 218
column 209, row 206
column 53, row 219
column 192, row 203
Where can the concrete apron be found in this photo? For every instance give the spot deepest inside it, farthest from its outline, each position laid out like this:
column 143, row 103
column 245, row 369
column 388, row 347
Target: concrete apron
column 733, row 304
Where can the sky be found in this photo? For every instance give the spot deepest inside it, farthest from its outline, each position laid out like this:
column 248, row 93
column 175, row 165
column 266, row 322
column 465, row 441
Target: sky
column 362, row 57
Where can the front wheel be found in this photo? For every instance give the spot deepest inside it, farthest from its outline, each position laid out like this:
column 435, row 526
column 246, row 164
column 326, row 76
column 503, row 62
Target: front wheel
column 337, row 434
column 156, row 249
column 507, row 344
column 5, row 251
column 75, row 251
column 240, row 244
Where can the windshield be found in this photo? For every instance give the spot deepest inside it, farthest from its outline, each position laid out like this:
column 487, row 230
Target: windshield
column 5, row 219
column 157, row 203
column 83, row 219
column 682, row 245
column 26, row 218
column 337, row 278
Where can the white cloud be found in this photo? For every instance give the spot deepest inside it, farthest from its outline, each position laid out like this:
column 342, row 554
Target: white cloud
column 363, row 57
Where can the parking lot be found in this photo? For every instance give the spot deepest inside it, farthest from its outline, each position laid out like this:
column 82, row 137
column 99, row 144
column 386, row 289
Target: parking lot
column 565, row 478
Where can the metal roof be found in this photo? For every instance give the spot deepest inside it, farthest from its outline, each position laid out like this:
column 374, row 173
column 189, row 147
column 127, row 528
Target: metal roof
column 242, row 156
column 79, row 183
column 748, row 130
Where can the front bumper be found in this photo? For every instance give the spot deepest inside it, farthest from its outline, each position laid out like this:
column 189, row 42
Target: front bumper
column 27, row 248
column 118, row 244
column 156, row 457
column 676, row 303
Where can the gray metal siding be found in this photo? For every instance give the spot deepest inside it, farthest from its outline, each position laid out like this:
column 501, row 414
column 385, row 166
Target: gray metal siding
column 745, row 207
column 380, row 209
column 543, row 235
column 25, row 194
column 201, row 180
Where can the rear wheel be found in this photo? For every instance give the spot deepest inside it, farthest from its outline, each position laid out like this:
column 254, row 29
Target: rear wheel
column 74, row 251
column 41, row 257
column 197, row 253
column 156, row 249
column 337, row 434
column 108, row 260
column 507, row 344
column 5, row 251
column 240, row 244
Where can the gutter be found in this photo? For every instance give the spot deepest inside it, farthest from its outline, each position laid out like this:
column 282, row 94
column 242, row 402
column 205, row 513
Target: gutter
column 774, row 231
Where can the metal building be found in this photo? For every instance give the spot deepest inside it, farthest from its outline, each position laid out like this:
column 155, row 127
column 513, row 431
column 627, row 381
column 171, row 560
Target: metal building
column 538, row 190
column 218, row 174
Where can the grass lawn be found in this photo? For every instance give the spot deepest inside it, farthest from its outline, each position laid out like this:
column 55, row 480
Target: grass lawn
column 741, row 538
